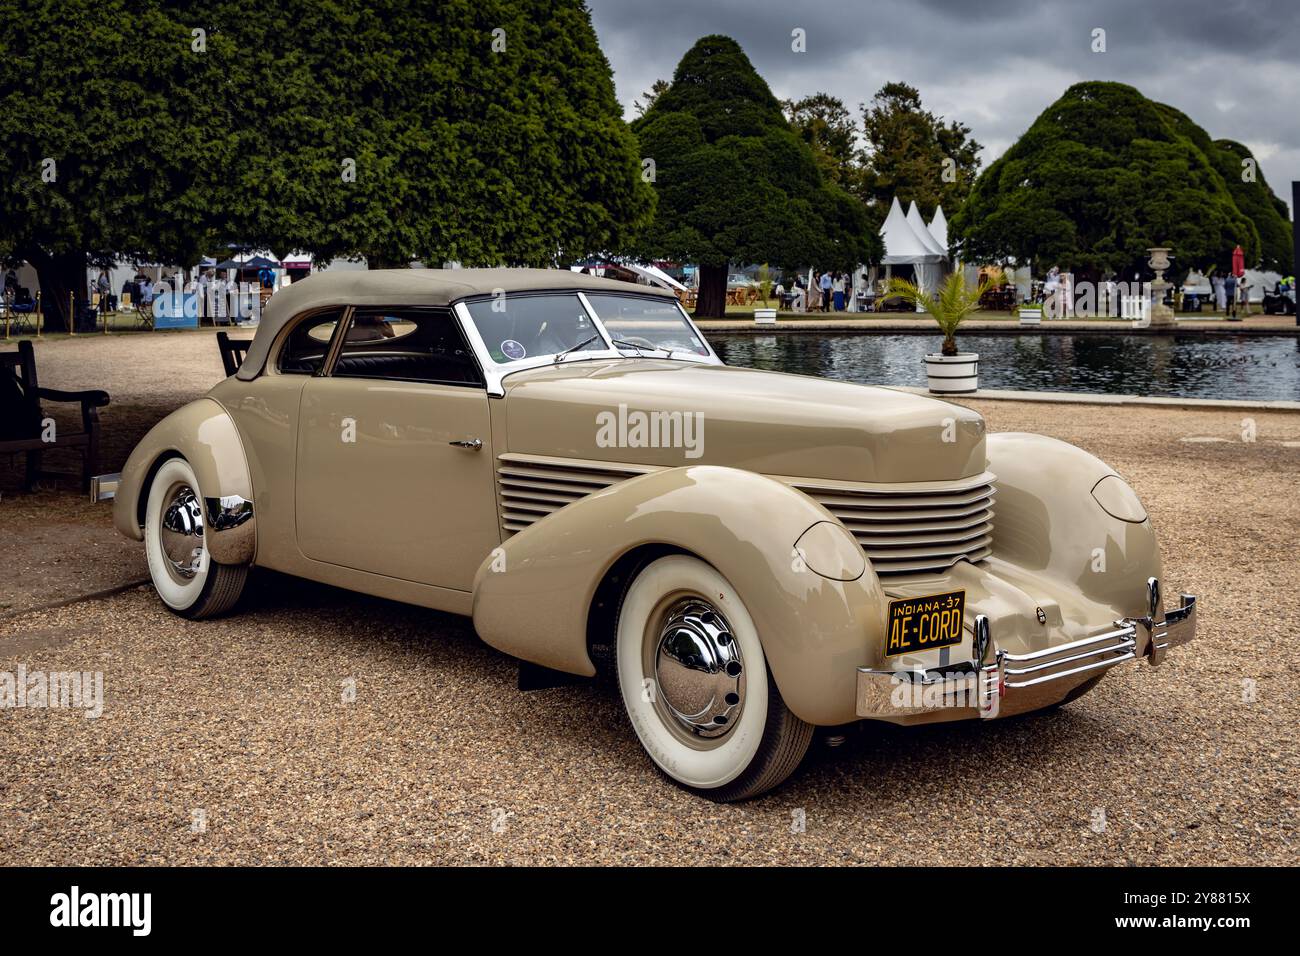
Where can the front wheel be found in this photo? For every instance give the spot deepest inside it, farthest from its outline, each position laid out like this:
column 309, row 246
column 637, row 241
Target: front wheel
column 186, row 578
column 696, row 687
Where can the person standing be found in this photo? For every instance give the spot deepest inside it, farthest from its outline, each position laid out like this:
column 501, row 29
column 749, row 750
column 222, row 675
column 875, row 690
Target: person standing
column 1051, row 293
column 825, row 285
column 837, row 288
column 1230, row 293
column 104, row 287
column 1220, row 297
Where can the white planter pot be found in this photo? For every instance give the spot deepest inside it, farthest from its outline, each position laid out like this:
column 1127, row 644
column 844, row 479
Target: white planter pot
column 1031, row 316
column 953, row 374
column 765, row 316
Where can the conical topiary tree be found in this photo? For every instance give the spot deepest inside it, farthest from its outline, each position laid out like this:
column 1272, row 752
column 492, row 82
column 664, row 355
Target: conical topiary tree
column 1100, row 176
column 735, row 184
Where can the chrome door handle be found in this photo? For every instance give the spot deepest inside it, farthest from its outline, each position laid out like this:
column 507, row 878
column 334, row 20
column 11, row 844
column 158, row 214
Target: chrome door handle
column 473, row 444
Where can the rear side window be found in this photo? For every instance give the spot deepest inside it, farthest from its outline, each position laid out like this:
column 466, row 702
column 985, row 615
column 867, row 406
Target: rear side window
column 305, row 350
column 407, row 345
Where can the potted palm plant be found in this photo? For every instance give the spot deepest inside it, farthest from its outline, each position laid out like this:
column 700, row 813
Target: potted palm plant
column 949, row 372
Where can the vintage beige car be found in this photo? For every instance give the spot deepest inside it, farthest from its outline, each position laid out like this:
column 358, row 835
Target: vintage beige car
column 565, row 459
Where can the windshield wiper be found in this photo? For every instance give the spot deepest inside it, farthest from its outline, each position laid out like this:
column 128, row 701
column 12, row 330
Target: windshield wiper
column 583, row 344
column 640, row 349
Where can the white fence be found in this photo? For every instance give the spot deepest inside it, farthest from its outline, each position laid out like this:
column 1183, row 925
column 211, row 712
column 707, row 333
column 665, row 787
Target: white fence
column 1136, row 308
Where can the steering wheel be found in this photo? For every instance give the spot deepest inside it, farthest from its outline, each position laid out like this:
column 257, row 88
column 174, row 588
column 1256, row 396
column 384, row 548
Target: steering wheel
column 637, row 340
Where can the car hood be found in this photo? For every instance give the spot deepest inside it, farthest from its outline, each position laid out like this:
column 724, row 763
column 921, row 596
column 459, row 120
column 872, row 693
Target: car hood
column 669, row 412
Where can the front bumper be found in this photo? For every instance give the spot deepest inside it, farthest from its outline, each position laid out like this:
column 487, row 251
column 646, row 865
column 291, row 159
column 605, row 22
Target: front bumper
column 998, row 683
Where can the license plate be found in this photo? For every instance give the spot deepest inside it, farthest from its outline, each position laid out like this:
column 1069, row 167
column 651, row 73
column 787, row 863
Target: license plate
column 924, row 623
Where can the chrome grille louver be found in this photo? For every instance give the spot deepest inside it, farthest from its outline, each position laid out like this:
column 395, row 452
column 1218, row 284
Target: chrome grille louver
column 532, row 486
column 925, row 526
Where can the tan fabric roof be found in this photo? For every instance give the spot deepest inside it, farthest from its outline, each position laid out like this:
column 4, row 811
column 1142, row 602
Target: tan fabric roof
column 411, row 287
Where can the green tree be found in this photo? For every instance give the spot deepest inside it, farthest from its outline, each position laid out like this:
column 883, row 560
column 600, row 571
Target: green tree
column 826, row 125
column 913, row 154
column 735, row 183
column 648, row 98
column 1250, row 191
column 104, row 119
column 485, row 131
column 1100, row 176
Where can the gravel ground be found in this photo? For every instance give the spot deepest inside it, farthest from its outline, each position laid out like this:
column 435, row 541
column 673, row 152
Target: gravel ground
column 439, row 759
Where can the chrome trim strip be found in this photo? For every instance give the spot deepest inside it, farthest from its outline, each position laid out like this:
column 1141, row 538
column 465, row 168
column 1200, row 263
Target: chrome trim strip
column 1020, row 685
column 335, row 347
column 1109, row 637
column 1126, row 647
column 104, row 487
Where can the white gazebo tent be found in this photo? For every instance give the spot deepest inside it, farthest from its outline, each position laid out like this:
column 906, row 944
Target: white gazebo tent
column 908, row 242
column 939, row 228
column 923, row 231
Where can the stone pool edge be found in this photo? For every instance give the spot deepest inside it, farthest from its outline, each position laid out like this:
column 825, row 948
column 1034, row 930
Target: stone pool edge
column 1101, row 398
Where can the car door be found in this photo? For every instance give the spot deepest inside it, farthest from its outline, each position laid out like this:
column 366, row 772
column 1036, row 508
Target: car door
column 394, row 459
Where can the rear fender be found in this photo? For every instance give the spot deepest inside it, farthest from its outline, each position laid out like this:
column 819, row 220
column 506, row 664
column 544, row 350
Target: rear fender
column 204, row 434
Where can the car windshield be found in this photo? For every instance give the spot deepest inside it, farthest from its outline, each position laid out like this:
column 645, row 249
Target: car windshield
column 651, row 323
column 527, row 326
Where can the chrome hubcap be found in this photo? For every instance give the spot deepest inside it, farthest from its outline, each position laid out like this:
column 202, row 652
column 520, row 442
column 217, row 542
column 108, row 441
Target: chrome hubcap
column 698, row 670
column 182, row 532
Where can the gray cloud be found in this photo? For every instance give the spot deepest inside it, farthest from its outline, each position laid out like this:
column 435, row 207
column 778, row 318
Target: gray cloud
column 1231, row 65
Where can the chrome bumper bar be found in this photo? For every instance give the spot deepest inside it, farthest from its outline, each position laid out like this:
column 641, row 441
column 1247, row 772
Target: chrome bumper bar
column 998, row 682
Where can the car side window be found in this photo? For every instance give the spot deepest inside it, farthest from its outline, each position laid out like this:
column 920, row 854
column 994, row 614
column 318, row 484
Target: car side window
column 305, row 349
column 408, row 345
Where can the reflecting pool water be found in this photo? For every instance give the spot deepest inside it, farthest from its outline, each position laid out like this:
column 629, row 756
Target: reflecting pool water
column 1237, row 367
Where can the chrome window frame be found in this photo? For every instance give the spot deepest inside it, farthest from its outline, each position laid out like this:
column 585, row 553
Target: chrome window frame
column 336, row 350
column 275, row 353
column 495, row 372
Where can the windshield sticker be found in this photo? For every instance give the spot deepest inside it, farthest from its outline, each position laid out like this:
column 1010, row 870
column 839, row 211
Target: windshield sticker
column 513, row 350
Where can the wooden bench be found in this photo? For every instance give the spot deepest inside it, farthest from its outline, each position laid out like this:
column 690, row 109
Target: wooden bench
column 22, row 420
column 232, row 352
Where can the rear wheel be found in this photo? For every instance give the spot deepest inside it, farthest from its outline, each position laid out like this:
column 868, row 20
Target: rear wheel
column 185, row 577
column 696, row 687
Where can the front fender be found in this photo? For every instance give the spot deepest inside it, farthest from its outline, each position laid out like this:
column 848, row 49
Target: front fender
column 533, row 596
column 1047, row 521
column 204, row 434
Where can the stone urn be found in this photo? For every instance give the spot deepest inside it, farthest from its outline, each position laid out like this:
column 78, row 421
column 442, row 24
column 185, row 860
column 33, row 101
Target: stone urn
column 1161, row 314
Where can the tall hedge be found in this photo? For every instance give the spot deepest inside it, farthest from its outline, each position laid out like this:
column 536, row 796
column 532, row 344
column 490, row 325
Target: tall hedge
column 1103, row 174
column 735, row 183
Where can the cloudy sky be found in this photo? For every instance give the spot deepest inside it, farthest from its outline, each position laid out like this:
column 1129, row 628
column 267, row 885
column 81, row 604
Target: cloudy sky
column 1232, row 65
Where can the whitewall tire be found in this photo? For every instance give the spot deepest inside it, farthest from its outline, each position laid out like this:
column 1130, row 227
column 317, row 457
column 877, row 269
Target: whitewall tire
column 695, row 683
column 187, row 580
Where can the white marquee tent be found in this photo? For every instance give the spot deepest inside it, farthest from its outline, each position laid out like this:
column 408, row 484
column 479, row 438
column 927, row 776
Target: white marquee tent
column 939, row 228
column 923, row 231
column 908, row 241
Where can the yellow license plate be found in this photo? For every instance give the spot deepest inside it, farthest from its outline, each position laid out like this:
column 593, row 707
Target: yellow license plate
column 924, row 623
